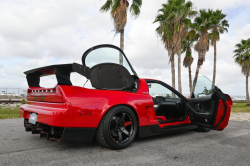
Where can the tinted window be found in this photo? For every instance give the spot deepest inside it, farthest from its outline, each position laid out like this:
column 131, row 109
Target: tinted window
column 203, row 86
column 106, row 55
column 156, row 89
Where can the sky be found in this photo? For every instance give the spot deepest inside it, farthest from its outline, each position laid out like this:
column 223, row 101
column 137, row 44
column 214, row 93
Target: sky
column 40, row 33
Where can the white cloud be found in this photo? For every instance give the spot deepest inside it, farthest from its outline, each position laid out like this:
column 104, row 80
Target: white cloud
column 220, row 4
column 39, row 33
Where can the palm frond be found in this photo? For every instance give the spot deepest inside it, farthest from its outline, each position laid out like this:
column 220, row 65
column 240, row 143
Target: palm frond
column 138, row 2
column 242, row 56
column 114, row 7
column 107, row 6
column 174, row 20
column 135, row 10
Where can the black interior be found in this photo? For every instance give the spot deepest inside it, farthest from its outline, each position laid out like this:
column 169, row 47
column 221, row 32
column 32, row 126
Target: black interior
column 111, row 76
column 204, row 104
column 171, row 108
column 202, row 109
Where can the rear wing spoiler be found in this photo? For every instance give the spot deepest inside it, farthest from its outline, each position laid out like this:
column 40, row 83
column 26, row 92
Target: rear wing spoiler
column 62, row 73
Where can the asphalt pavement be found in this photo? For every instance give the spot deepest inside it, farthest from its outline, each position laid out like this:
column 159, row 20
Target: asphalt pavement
column 228, row 147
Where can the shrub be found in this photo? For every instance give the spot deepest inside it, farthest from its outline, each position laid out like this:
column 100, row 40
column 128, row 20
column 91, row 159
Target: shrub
column 23, row 101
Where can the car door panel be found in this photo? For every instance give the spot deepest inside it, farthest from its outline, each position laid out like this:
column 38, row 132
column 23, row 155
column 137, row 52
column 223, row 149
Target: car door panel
column 169, row 103
column 223, row 114
column 192, row 110
column 200, row 99
column 203, row 106
column 215, row 110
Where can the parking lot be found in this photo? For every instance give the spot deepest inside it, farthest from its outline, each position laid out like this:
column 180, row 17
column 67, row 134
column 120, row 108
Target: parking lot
column 229, row 147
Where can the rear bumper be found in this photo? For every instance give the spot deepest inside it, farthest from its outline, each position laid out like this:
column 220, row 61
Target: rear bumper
column 52, row 114
column 79, row 134
column 60, row 133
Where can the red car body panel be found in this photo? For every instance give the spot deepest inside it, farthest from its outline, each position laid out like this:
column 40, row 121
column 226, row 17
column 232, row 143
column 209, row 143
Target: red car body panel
column 98, row 102
column 84, row 108
column 220, row 113
column 79, row 101
column 52, row 114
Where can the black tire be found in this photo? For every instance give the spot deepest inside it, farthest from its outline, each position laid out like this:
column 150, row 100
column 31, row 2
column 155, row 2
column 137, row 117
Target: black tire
column 203, row 129
column 118, row 128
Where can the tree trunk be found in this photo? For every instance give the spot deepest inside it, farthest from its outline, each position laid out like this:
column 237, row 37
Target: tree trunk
column 173, row 73
column 247, row 92
column 179, row 71
column 190, row 79
column 196, row 76
column 215, row 56
column 121, row 46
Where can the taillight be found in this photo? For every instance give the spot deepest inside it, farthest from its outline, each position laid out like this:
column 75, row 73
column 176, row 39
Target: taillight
column 46, row 95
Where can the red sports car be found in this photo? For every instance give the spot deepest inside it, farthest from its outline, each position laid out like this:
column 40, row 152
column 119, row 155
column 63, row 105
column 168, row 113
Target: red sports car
column 119, row 106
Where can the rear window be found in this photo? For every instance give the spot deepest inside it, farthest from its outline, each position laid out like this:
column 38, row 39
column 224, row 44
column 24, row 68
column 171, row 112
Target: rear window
column 106, row 55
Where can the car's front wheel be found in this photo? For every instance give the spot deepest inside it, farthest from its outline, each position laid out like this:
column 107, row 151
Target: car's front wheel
column 118, row 128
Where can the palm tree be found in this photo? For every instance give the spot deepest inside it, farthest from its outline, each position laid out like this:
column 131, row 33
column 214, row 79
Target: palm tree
column 242, row 57
column 118, row 11
column 174, row 21
column 218, row 26
column 202, row 24
column 187, row 45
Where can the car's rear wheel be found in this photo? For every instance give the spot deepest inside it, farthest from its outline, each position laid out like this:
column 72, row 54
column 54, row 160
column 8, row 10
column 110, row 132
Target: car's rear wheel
column 118, row 128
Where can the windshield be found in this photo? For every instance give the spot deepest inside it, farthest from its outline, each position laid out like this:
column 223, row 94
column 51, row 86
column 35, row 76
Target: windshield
column 106, row 54
column 203, row 87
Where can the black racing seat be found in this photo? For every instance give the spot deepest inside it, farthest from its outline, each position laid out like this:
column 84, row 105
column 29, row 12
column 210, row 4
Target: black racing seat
column 159, row 99
column 170, row 108
column 157, row 110
column 111, row 76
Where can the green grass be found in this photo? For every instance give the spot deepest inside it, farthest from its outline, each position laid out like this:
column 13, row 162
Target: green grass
column 9, row 113
column 6, row 113
column 240, row 107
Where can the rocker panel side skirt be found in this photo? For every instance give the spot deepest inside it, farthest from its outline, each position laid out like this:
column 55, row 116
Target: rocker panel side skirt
column 146, row 131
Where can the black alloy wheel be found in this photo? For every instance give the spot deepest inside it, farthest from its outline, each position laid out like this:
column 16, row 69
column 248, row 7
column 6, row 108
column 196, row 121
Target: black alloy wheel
column 117, row 128
column 121, row 126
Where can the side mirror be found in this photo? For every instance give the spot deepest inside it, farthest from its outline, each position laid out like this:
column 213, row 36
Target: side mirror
column 149, row 85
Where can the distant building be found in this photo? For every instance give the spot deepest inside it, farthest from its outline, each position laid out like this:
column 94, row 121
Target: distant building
column 9, row 94
column 23, row 95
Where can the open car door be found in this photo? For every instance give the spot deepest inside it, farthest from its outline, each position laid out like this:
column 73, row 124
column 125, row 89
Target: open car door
column 212, row 110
